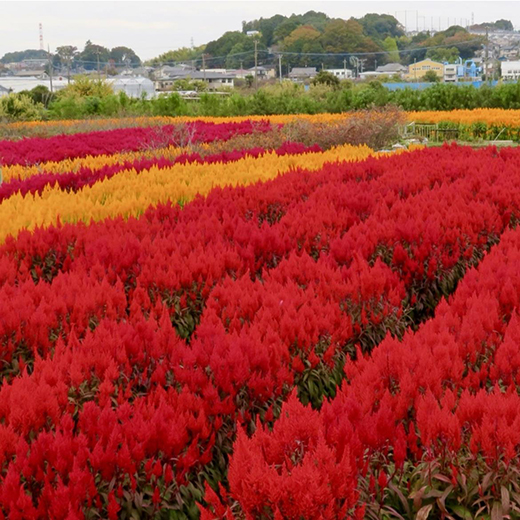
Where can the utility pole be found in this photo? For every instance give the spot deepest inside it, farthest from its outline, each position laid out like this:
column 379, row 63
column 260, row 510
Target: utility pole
column 204, row 65
column 415, row 69
column 280, row 67
column 50, row 66
column 486, row 55
column 256, row 64
column 98, row 73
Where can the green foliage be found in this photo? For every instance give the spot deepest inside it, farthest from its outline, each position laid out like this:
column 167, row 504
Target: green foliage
column 93, row 53
column 20, row 107
column 230, row 43
column 189, row 84
column 326, row 78
column 445, row 54
column 390, row 45
column 499, row 25
column 83, row 86
column 381, row 26
column 184, row 54
column 285, row 98
column 12, row 57
column 40, row 94
column 124, row 55
column 431, row 77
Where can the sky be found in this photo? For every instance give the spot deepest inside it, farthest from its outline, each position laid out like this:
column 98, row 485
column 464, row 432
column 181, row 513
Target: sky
column 152, row 28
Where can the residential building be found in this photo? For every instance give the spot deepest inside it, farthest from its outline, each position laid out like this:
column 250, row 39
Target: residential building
column 301, row 74
column 370, row 74
column 263, row 72
column 416, row 71
column 509, row 53
column 510, row 70
column 40, row 74
column 167, row 71
column 341, row 73
column 451, row 73
column 215, row 80
column 391, row 69
column 35, row 63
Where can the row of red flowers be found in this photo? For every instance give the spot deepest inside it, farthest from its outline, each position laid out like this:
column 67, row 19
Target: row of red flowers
column 37, row 150
column 270, row 288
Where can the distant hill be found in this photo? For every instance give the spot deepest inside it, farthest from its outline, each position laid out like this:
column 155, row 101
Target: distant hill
column 499, row 25
column 17, row 56
column 312, row 39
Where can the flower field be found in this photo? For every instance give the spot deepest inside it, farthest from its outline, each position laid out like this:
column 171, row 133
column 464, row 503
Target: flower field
column 284, row 332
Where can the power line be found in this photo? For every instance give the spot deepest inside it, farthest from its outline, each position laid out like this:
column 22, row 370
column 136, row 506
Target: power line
column 284, row 53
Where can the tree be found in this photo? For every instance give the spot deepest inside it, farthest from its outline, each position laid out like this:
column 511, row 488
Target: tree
column 342, row 36
column 184, row 54
column 17, row 56
column 303, row 40
column 381, row 26
column 284, row 29
column 84, row 86
column 124, row 55
column 326, row 78
column 390, row 46
column 65, row 55
column 219, row 49
column 446, row 54
column 431, row 77
column 93, row 54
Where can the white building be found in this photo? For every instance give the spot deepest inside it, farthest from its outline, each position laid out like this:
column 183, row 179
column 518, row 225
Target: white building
column 133, row 87
column 450, row 73
column 510, row 70
column 341, row 73
column 15, row 84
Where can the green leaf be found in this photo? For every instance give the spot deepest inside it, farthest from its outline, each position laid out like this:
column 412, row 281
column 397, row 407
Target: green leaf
column 462, row 512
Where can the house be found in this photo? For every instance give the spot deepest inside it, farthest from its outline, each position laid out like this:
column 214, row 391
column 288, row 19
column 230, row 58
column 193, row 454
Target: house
column 32, row 74
column 370, row 74
column 509, row 53
column 300, row 74
column 240, row 73
column 215, row 80
column 416, row 71
column 167, row 71
column 35, row 63
column 263, row 72
column 392, row 69
column 510, row 70
column 451, row 74
column 3, row 91
column 341, row 73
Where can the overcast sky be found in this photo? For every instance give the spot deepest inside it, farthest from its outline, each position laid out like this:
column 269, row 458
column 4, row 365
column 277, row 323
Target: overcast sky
column 151, row 28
